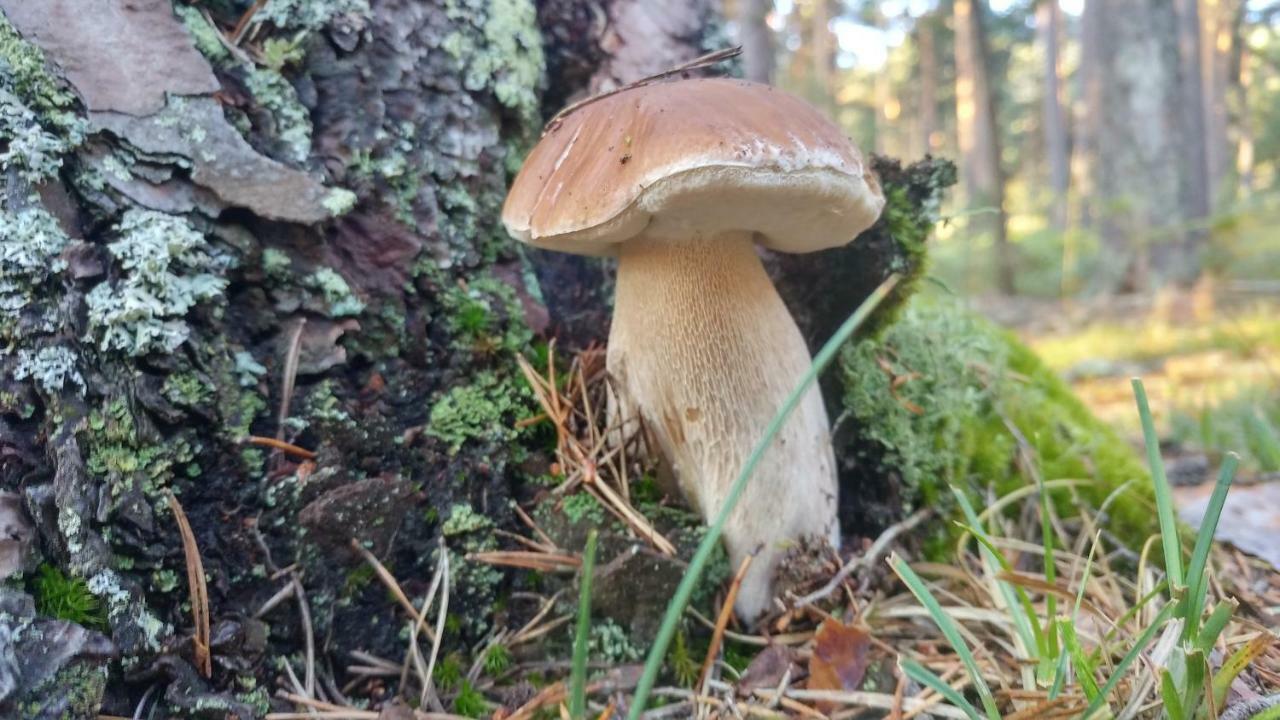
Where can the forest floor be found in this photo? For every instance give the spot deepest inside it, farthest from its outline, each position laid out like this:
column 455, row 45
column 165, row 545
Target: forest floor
column 1210, row 359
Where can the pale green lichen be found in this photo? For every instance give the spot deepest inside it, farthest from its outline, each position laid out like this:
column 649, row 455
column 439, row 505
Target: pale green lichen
column 31, row 244
column 203, row 33
column 166, row 271
column 309, row 14
column 504, row 56
column 51, row 367
column 38, row 120
column 292, row 122
column 610, row 643
column 248, row 370
column 339, row 201
column 339, row 300
column 485, row 409
column 463, row 519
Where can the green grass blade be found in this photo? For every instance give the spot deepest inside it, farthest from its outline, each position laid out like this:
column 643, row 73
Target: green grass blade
column 1215, row 624
column 1169, row 694
column 1239, row 660
column 1164, row 495
column 1086, row 671
column 667, row 631
column 1122, row 667
column 578, row 675
column 1196, row 589
column 927, row 678
column 949, row 630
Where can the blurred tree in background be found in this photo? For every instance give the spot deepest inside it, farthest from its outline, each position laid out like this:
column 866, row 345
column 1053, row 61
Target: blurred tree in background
column 1104, row 145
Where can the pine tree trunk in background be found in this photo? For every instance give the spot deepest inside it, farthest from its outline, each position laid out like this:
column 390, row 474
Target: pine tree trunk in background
column 926, row 42
column 1243, row 79
column 1178, row 261
column 1215, row 56
column 1056, row 146
column 757, row 40
column 1139, row 160
column 1087, row 123
column 824, row 48
column 979, row 139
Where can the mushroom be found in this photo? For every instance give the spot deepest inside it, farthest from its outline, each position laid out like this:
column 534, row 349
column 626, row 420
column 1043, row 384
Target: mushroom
column 680, row 180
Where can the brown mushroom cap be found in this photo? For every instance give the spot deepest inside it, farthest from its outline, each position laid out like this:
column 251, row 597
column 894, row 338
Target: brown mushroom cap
column 693, row 157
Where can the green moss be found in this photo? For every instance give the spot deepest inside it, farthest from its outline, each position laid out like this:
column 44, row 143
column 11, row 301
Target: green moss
column 486, row 313
column 485, row 410
column 66, row 598
column 469, row 702
column 583, row 506
column 939, row 394
column 448, row 673
column 165, row 271
column 497, row 659
column 119, row 457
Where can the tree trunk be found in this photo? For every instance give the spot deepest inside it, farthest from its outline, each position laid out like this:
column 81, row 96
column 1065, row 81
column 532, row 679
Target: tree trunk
column 1216, row 49
column 926, row 42
column 290, row 231
column 265, row 279
column 1140, row 159
column 1088, row 123
column 757, row 40
column 1057, row 154
column 824, row 48
column 979, row 139
column 1194, row 102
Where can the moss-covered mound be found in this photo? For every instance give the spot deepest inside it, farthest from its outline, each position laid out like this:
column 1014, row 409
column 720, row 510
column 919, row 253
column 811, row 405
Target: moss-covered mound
column 945, row 397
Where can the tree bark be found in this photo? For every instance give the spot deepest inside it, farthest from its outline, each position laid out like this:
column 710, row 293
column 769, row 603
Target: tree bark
column 1056, row 146
column 979, row 139
column 1140, row 156
column 757, row 40
column 1195, row 103
column 926, row 42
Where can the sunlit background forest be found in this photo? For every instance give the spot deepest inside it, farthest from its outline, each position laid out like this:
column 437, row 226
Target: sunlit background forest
column 1118, row 200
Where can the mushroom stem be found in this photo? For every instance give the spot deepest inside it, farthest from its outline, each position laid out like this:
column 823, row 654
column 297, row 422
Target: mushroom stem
column 704, row 350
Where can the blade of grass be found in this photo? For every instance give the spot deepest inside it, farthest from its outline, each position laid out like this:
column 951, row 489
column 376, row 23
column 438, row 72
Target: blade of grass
column 1169, row 694
column 1196, row 589
column 667, row 631
column 1164, row 495
column 1239, row 660
column 1215, row 624
column 1015, row 598
column 927, row 678
column 949, row 631
column 1086, row 671
column 578, row 676
column 1122, row 667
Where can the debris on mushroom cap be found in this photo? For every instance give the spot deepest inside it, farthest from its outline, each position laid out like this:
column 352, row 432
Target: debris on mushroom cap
column 704, row 155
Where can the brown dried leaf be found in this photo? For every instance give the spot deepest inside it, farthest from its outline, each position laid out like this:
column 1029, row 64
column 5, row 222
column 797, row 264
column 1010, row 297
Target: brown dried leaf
column 768, row 668
column 839, row 659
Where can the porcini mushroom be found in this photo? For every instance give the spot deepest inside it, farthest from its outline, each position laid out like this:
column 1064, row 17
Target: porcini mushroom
column 680, row 180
